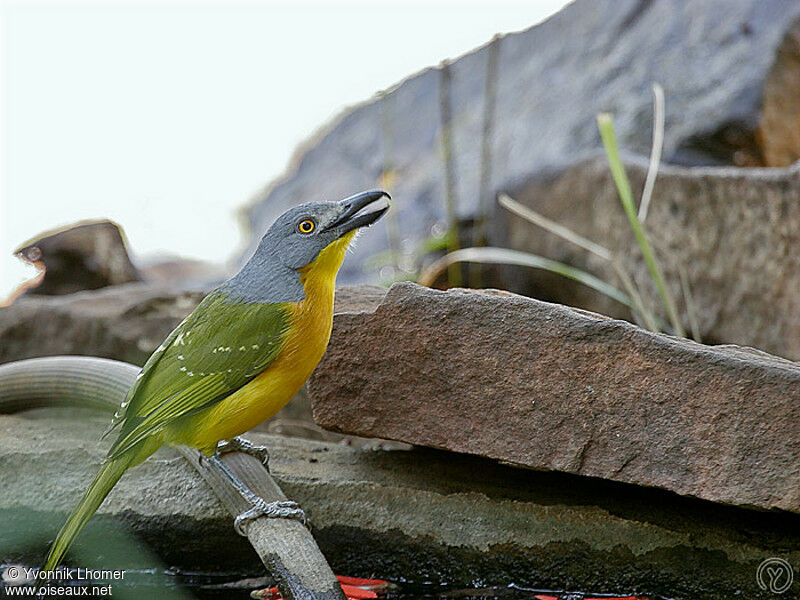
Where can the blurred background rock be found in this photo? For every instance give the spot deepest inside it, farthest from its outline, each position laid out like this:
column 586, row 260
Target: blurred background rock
column 517, row 116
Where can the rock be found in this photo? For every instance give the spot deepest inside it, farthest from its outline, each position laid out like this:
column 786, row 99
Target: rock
column 779, row 129
column 556, row 389
column 128, row 322
column 733, row 231
column 420, row 516
column 124, row 322
column 358, row 298
column 167, row 270
column 83, row 256
column 729, row 71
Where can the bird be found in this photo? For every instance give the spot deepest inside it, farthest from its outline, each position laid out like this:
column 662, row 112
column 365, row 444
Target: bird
column 239, row 357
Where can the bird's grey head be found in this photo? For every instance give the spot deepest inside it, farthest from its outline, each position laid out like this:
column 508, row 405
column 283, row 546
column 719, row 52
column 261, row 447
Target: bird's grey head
column 296, row 239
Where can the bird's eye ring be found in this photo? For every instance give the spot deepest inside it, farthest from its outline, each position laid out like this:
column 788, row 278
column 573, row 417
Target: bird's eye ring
column 306, row 226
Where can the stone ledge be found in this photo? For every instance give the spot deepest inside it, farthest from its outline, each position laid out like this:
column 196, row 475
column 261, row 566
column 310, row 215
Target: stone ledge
column 555, row 389
column 417, row 515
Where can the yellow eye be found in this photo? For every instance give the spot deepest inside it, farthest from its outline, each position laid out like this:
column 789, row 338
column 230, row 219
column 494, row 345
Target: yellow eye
column 306, row 226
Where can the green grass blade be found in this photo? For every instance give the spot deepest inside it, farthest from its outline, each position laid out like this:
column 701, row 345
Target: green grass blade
column 606, row 126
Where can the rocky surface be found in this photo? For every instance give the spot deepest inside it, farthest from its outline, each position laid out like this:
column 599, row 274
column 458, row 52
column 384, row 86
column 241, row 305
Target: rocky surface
column 734, row 232
column 84, row 256
column 165, row 270
column 557, row 389
column 729, row 71
column 123, row 322
column 779, row 129
column 418, row 515
column 128, row 322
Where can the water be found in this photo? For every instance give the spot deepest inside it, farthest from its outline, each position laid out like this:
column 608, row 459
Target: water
column 174, row 585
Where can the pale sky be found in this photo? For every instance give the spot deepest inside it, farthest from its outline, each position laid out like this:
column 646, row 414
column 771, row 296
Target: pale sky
column 167, row 116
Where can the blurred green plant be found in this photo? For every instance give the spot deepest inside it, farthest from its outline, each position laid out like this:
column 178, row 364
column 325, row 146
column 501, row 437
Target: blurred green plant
column 632, row 297
column 446, row 125
column 606, row 126
column 506, row 256
column 567, row 234
column 407, row 265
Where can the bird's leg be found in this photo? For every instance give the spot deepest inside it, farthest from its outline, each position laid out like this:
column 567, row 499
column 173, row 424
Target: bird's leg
column 280, row 509
column 239, row 444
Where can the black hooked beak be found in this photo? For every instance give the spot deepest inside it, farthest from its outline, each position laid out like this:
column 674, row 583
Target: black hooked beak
column 351, row 217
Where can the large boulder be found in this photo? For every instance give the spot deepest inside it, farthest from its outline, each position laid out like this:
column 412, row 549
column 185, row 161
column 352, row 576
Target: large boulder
column 733, row 232
column 557, row 389
column 416, row 516
column 729, row 71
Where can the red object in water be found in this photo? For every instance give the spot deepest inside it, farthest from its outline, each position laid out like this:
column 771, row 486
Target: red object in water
column 357, row 593
column 354, row 588
column 367, row 584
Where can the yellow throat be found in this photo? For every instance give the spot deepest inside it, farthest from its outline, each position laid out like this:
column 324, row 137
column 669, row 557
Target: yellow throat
column 310, row 331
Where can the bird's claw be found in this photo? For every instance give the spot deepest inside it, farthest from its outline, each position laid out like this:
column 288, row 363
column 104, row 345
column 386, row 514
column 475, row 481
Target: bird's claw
column 239, row 444
column 281, row 509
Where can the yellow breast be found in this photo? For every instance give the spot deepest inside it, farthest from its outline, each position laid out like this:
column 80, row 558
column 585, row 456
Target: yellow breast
column 311, row 322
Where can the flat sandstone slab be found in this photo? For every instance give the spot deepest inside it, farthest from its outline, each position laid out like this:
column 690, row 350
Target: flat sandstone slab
column 553, row 388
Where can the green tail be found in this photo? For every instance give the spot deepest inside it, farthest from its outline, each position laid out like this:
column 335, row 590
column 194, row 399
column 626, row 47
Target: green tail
column 106, row 479
column 108, row 476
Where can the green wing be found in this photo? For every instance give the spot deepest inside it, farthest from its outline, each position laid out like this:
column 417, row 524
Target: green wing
column 215, row 351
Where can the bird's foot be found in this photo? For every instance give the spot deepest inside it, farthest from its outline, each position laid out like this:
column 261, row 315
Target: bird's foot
column 239, row 444
column 282, row 509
